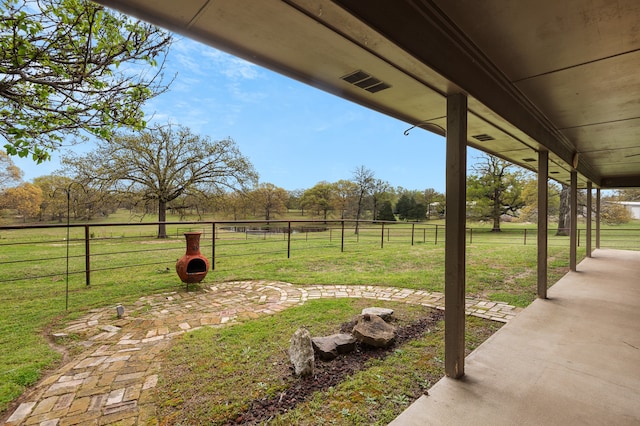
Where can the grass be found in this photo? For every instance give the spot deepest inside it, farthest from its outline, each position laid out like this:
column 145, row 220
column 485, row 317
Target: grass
column 129, row 262
column 212, row 375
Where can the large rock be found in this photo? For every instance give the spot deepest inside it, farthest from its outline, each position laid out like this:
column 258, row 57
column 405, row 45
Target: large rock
column 383, row 313
column 374, row 331
column 301, row 353
column 329, row 347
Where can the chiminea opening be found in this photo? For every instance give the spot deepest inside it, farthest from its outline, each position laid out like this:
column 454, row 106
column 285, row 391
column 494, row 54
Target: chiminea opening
column 196, row 266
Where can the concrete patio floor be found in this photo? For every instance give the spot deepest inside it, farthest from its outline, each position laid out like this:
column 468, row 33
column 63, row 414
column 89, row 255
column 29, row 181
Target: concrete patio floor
column 573, row 359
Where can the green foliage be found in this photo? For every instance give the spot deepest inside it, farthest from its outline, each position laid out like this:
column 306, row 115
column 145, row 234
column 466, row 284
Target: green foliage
column 494, row 190
column 615, row 214
column 345, row 195
column 529, row 212
column 409, row 209
column 319, row 199
column 386, row 212
column 71, row 65
column 435, row 202
column 268, row 199
column 380, row 192
column 25, row 199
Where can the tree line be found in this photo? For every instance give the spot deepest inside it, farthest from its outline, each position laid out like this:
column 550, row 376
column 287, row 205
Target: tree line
column 169, row 168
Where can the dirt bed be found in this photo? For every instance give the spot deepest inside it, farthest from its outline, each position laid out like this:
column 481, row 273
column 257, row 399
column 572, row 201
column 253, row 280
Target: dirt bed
column 331, row 373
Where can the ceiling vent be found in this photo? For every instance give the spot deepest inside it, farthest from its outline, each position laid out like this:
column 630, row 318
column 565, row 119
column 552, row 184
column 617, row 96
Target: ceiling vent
column 365, row 81
column 528, row 160
column 554, row 173
column 484, row 137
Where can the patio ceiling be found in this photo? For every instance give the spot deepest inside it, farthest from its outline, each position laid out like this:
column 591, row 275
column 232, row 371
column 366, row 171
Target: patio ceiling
column 548, row 75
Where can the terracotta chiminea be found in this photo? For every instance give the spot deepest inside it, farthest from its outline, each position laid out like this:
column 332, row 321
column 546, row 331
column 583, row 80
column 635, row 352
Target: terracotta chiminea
column 193, row 266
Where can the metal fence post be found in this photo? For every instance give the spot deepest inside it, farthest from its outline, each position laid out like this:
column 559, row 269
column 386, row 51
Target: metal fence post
column 413, row 227
column 382, row 237
column 342, row 238
column 87, row 256
column 213, row 246
column 289, row 241
column 525, row 236
column 579, row 237
column 436, row 236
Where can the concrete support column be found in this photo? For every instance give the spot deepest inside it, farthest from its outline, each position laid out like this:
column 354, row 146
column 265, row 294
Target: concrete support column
column 598, row 218
column 589, row 202
column 543, row 225
column 455, row 251
column 573, row 234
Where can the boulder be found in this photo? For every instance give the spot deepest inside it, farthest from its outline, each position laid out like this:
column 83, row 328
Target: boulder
column 374, row 331
column 301, row 353
column 329, row 347
column 383, row 313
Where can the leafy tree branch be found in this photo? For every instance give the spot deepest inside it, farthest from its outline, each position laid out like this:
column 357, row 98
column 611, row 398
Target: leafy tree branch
column 73, row 68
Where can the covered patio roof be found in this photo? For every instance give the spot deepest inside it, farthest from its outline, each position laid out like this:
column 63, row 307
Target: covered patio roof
column 549, row 85
column 540, row 75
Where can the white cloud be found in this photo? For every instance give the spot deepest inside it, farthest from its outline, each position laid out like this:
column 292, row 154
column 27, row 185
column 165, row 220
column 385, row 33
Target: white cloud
column 236, row 90
column 231, row 66
column 203, row 60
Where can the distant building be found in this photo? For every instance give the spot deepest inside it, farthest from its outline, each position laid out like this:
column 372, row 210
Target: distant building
column 633, row 207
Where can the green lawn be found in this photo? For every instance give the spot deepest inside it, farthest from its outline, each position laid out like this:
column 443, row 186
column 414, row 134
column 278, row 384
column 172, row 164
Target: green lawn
column 248, row 363
column 128, row 262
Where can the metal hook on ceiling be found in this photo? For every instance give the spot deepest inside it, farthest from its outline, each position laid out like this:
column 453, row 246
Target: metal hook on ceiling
column 425, row 125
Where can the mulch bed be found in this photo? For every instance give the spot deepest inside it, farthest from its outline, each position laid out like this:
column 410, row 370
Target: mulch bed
column 331, row 373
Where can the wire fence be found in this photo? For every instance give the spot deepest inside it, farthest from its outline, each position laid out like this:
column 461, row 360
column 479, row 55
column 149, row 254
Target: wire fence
column 33, row 252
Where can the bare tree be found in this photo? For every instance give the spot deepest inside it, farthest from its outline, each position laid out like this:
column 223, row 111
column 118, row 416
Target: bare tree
column 564, row 213
column 163, row 164
column 9, row 172
column 432, row 197
column 365, row 179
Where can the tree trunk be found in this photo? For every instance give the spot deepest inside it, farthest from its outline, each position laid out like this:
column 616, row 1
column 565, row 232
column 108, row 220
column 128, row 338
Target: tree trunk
column 564, row 218
column 375, row 209
column 358, row 213
column 162, row 217
column 496, row 212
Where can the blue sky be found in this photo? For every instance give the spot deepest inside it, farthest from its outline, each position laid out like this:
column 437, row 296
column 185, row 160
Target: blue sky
column 295, row 135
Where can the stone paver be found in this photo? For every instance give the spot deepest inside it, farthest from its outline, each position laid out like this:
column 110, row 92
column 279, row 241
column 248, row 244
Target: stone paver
column 113, row 380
